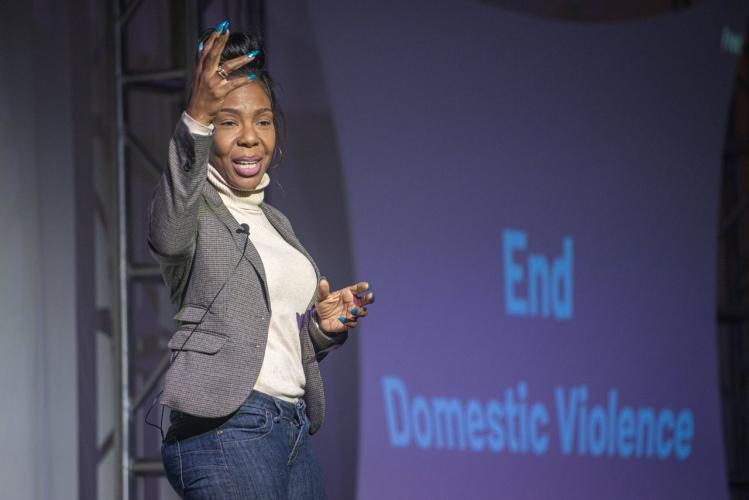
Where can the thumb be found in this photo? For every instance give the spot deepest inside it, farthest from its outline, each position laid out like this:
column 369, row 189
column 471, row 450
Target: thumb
column 323, row 290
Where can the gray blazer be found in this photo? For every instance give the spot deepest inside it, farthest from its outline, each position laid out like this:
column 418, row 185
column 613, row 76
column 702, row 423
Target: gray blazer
column 194, row 238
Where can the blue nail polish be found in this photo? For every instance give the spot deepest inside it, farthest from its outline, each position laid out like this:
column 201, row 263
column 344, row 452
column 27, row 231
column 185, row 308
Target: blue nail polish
column 252, row 76
column 253, row 54
column 200, row 46
column 222, row 27
column 342, row 319
column 372, row 296
column 354, row 311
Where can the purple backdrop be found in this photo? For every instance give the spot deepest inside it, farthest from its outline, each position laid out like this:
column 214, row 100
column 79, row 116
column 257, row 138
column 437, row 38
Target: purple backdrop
column 492, row 159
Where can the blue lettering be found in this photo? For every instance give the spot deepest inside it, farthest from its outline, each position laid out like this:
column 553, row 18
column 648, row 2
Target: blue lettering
column 566, row 418
column 394, row 388
column 626, row 432
column 539, row 415
column 513, row 240
column 549, row 287
column 562, row 282
column 422, row 422
column 645, row 425
column 475, row 425
column 664, row 445
column 494, row 415
column 597, row 431
column 684, row 434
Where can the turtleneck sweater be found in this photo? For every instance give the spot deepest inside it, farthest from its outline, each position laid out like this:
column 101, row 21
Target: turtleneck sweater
column 291, row 282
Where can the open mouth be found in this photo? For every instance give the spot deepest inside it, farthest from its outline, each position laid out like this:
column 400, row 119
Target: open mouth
column 246, row 167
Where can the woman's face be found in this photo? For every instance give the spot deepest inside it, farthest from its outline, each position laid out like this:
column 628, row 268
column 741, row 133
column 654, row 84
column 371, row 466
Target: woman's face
column 245, row 137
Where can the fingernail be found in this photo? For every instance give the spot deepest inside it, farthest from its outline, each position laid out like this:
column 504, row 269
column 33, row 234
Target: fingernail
column 200, row 46
column 253, row 54
column 372, row 296
column 222, row 26
column 342, row 319
column 354, row 311
column 252, row 76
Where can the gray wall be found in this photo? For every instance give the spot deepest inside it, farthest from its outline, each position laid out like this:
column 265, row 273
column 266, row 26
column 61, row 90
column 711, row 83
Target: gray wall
column 38, row 382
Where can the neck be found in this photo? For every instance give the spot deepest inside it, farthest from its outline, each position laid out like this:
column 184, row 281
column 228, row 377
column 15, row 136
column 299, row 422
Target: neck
column 243, row 200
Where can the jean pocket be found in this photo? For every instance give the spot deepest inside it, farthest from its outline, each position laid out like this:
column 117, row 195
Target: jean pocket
column 246, row 424
column 172, row 466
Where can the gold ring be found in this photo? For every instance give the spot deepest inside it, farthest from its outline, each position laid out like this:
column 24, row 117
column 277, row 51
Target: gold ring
column 220, row 71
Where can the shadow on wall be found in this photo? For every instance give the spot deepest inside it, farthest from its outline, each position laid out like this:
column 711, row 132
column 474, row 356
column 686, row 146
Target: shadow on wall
column 309, row 187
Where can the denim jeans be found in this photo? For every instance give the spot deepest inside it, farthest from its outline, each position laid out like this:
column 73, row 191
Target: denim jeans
column 262, row 451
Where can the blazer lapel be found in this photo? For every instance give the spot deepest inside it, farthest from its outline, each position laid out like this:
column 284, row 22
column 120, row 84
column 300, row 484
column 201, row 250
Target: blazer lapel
column 251, row 254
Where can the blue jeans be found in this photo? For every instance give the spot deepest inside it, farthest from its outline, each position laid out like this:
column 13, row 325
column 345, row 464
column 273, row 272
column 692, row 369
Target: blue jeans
column 262, row 451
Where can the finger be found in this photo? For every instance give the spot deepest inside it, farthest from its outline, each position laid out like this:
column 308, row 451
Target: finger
column 348, row 299
column 207, row 46
column 323, row 290
column 238, row 62
column 214, row 55
column 367, row 298
column 357, row 312
column 360, row 287
column 350, row 323
column 357, row 301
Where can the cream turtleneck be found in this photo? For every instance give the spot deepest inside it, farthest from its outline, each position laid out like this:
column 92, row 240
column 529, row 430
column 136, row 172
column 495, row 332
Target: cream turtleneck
column 248, row 201
column 291, row 283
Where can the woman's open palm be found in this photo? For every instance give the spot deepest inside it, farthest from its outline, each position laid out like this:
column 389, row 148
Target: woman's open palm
column 339, row 310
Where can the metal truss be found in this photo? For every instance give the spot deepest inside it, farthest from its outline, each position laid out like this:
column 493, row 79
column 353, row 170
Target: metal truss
column 141, row 356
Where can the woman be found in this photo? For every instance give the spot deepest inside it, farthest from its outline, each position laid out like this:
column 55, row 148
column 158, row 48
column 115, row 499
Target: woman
column 255, row 316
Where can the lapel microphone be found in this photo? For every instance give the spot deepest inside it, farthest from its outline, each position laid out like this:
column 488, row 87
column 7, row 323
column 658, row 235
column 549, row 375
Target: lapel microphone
column 244, row 228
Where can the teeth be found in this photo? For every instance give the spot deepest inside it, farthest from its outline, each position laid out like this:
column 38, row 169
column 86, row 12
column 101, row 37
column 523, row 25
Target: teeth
column 247, row 163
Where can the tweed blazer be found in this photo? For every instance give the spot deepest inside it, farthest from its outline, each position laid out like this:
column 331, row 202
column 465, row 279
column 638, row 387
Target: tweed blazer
column 194, row 238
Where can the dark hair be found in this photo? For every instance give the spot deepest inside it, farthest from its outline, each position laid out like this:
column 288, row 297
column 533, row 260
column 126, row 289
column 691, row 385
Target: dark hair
column 240, row 44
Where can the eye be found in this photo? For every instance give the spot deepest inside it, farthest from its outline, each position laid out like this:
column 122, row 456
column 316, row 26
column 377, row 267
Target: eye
column 265, row 123
column 227, row 123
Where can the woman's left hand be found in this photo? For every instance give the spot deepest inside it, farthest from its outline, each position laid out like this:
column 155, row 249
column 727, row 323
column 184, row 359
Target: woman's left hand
column 339, row 310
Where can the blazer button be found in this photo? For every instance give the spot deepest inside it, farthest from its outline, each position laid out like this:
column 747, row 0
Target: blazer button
column 186, row 166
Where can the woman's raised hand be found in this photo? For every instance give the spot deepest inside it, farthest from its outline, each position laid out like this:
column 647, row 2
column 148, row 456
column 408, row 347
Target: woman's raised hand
column 341, row 309
column 209, row 86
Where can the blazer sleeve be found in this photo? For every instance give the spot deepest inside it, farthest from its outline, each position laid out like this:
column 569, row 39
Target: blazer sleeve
column 174, row 206
column 323, row 342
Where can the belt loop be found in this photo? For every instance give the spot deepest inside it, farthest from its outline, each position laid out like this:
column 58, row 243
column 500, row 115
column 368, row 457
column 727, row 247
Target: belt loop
column 300, row 405
column 277, row 418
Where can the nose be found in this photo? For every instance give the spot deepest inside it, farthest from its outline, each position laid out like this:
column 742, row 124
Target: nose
column 248, row 137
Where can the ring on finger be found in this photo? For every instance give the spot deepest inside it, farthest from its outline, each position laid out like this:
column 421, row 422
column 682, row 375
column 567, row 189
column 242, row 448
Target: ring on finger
column 220, row 71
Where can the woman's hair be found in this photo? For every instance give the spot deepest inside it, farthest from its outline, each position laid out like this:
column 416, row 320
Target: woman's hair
column 240, row 44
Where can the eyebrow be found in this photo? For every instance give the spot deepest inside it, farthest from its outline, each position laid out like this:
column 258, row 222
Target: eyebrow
column 235, row 111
